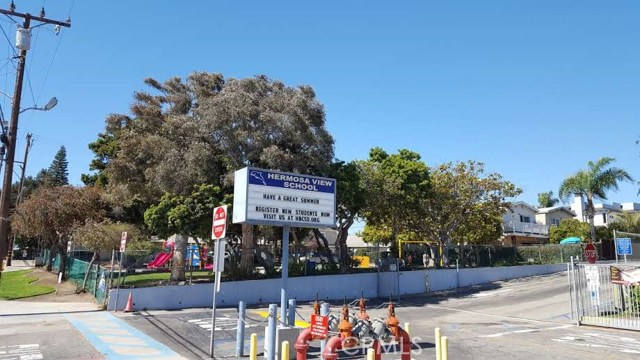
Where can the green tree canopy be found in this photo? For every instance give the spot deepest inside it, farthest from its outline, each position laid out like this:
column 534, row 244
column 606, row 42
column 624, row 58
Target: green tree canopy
column 53, row 213
column 627, row 222
column 464, row 204
column 198, row 131
column 594, row 182
column 58, row 173
column 568, row 228
column 546, row 199
column 396, row 185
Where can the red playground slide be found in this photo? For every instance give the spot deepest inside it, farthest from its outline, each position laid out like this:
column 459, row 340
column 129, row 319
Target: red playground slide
column 160, row 260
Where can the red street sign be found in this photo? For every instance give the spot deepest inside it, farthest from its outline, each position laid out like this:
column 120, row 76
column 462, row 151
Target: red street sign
column 123, row 241
column 319, row 326
column 591, row 253
column 219, row 227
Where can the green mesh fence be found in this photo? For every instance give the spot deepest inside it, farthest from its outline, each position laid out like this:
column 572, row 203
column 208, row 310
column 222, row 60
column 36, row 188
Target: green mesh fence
column 96, row 275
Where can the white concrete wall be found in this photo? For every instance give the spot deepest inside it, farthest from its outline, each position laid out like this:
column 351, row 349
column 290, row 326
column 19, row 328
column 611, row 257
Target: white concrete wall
column 329, row 287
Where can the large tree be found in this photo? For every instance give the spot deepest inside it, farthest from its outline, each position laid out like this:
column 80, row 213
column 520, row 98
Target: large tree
column 351, row 201
column 52, row 214
column 546, row 199
column 264, row 123
column 594, row 182
column 58, row 173
column 463, row 199
column 199, row 131
column 396, row 185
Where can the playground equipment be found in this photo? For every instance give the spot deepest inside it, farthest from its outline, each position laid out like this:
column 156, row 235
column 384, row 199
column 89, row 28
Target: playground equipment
column 163, row 257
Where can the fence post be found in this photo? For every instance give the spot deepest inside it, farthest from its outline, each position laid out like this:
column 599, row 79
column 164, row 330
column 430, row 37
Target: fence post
column 95, row 286
column 540, row 253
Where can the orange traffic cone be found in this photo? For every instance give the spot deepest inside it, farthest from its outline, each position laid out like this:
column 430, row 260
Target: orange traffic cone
column 129, row 307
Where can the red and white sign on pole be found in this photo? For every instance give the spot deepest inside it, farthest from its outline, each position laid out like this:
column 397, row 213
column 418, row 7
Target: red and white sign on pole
column 219, row 228
column 591, row 253
column 319, row 326
column 123, row 242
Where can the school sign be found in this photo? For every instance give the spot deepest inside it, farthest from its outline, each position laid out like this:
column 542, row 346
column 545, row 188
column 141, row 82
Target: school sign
column 267, row 197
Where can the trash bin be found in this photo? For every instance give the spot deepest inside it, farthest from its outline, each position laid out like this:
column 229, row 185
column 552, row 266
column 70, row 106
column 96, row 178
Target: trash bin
column 311, row 268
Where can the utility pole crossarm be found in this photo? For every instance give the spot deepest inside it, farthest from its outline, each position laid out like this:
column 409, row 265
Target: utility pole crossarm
column 36, row 18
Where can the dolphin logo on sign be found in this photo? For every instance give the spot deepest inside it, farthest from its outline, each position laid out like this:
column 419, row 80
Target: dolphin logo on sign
column 258, row 175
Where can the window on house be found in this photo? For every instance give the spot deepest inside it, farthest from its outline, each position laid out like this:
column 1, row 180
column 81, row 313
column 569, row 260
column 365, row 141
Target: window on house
column 525, row 219
column 604, row 218
column 555, row 221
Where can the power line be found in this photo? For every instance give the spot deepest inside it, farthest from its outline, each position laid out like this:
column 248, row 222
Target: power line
column 9, row 41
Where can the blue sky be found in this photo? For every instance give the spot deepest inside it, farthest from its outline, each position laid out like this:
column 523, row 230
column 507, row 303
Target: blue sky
column 534, row 89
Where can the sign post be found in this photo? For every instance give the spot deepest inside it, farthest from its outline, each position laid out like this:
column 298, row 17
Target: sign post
column 591, row 253
column 268, row 197
column 218, row 232
column 123, row 247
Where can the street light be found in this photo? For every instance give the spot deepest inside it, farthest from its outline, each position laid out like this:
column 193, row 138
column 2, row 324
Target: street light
column 50, row 105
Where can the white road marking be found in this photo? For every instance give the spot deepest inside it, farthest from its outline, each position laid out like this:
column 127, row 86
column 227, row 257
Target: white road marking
column 524, row 331
column 21, row 352
column 622, row 344
column 225, row 323
column 489, row 293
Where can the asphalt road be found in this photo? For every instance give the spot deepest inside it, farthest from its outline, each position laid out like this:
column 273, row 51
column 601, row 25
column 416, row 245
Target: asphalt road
column 519, row 319
column 43, row 336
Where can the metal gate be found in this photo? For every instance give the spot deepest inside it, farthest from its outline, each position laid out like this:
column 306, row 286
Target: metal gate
column 605, row 295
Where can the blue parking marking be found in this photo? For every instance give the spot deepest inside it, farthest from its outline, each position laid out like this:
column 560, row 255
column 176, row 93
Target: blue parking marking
column 116, row 339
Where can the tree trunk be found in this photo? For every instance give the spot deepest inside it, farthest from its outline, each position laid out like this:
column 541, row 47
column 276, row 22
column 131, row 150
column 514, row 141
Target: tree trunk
column 343, row 250
column 326, row 249
column 83, row 288
column 177, row 266
column 52, row 254
column 63, row 259
column 591, row 214
column 246, row 260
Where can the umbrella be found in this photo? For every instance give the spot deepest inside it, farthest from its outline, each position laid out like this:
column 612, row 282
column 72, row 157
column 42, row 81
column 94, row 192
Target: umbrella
column 570, row 240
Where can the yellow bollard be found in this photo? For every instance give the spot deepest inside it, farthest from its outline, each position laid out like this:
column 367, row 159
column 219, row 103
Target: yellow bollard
column 444, row 348
column 407, row 328
column 437, row 341
column 371, row 354
column 253, row 350
column 284, row 350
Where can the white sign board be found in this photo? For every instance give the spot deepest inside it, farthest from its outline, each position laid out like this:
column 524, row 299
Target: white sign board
column 593, row 283
column 267, row 197
column 123, row 241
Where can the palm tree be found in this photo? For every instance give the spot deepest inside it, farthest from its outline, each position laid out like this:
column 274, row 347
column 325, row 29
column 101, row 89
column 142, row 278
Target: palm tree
column 546, row 199
column 628, row 222
column 594, row 182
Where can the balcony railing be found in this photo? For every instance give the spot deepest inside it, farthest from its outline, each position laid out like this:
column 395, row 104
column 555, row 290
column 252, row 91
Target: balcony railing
column 526, row 228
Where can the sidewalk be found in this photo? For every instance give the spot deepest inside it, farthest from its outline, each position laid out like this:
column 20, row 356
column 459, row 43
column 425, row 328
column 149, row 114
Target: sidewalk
column 63, row 300
column 20, row 265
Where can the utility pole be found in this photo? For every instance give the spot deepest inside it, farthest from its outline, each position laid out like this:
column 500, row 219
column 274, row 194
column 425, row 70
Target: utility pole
column 19, row 197
column 23, row 45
